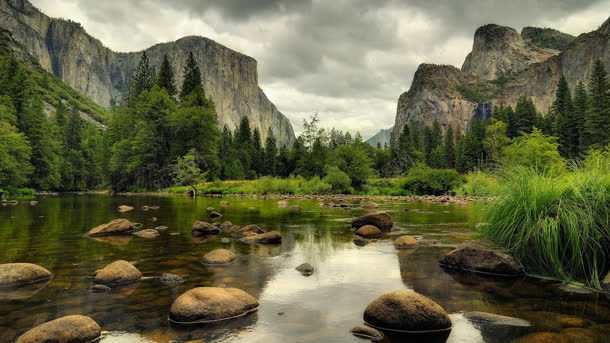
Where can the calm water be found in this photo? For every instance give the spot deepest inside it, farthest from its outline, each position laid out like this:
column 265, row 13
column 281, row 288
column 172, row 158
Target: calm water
column 294, row 308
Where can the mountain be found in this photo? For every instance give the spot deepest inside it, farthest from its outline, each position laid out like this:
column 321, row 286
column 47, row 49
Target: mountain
column 382, row 137
column 64, row 48
column 502, row 67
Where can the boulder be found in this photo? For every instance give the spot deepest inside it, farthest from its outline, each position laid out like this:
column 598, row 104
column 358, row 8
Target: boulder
column 147, row 233
column 381, row 220
column 305, row 269
column 405, row 242
column 15, row 274
column 115, row 227
column 211, row 304
column 495, row 319
column 124, row 208
column 68, row 329
column 204, row 229
column 271, row 237
column 367, row 332
column 480, row 260
column 248, row 230
column 171, row 279
column 117, row 273
column 369, row 231
column 219, row 256
column 406, row 311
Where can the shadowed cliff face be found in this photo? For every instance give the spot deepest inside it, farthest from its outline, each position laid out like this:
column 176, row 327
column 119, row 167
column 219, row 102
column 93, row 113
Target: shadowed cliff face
column 454, row 96
column 65, row 49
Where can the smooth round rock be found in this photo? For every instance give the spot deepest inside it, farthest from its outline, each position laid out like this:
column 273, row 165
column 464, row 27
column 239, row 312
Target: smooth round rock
column 406, row 311
column 115, row 227
column 248, row 230
column 68, row 329
column 211, row 304
column 117, row 273
column 367, row 332
column 15, row 274
column 147, row 233
column 219, row 256
column 271, row 237
column 305, row 269
column 405, row 242
column 381, row 220
column 369, row 231
column 201, row 228
column 480, row 260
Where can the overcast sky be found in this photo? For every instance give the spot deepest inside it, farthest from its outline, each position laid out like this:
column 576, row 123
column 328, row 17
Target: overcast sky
column 348, row 60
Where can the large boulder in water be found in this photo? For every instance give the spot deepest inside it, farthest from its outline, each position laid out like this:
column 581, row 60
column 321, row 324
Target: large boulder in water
column 406, row 311
column 369, row 231
column 382, row 220
column 480, row 260
column 115, row 227
column 219, row 256
column 117, row 273
column 15, row 274
column 211, row 304
column 201, row 228
column 68, row 329
column 271, row 237
column 248, row 230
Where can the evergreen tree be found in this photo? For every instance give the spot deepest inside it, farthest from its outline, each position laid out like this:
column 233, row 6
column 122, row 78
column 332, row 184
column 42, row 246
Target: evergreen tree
column 257, row 154
column 565, row 125
column 243, row 144
column 284, row 163
column 192, row 76
column 428, row 144
column 597, row 119
column 143, row 79
column 581, row 105
column 271, row 152
column 166, row 77
column 471, row 153
column 449, row 147
column 15, row 150
column 438, row 157
column 524, row 116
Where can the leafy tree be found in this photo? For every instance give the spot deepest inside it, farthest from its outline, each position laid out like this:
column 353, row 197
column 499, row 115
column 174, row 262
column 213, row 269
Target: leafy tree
column 339, row 180
column 597, row 118
column 354, row 161
column 187, row 172
column 496, row 139
column 534, row 150
column 192, row 76
column 507, row 115
column 166, row 77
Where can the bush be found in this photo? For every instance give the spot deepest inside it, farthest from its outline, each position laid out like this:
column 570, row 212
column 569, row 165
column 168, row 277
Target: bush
column 555, row 224
column 479, row 184
column 536, row 151
column 314, row 186
column 423, row 180
column 339, row 181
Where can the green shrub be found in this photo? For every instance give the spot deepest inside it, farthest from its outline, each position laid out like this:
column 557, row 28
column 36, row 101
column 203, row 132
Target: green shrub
column 314, row 186
column 423, row 180
column 555, row 224
column 479, row 184
column 339, row 181
column 478, row 92
column 20, row 192
column 536, row 151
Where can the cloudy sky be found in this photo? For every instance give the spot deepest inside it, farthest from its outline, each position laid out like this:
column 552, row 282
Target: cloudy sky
column 349, row 60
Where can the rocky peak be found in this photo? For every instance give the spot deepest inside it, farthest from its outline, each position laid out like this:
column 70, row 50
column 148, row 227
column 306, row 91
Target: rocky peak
column 499, row 51
column 546, row 38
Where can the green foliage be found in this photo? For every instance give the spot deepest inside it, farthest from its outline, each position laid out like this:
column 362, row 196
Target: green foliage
column 15, row 150
column 479, row 184
column 535, row 151
column 496, row 139
column 143, row 79
column 186, row 169
column 165, row 79
column 423, row 180
column 192, row 77
column 339, row 181
column 597, row 124
column 478, row 92
column 354, row 162
column 524, row 117
column 555, row 224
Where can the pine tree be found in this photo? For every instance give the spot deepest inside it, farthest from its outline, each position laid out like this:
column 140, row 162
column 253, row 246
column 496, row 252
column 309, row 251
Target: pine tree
column 270, row 161
column 449, row 147
column 597, row 119
column 581, row 105
column 438, row 157
column 192, row 76
column 428, row 144
column 565, row 125
column 284, row 168
column 243, row 144
column 524, row 116
column 257, row 152
column 143, row 79
column 166, row 77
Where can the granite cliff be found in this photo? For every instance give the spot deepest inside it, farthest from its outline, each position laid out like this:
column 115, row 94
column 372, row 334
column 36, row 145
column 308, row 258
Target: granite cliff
column 64, row 48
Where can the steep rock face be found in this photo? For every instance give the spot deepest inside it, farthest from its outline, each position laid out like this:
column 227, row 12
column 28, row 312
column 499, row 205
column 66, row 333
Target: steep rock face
column 500, row 51
column 434, row 95
column 64, row 48
column 383, row 137
column 547, row 38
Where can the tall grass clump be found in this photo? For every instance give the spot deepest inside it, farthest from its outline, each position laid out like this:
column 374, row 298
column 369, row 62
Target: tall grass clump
column 555, row 223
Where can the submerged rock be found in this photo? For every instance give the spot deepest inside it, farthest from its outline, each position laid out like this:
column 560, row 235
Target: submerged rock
column 219, row 256
column 97, row 288
column 171, row 279
column 161, row 228
column 305, row 269
column 406, row 311
column 480, row 260
column 115, row 227
column 405, row 242
column 68, row 329
column 211, row 304
column 367, row 332
column 271, row 237
column 117, row 273
column 147, row 233
column 201, row 228
column 495, row 319
column 248, row 230
column 359, row 241
column 124, row 208
column 15, row 274
column 369, row 231
column 381, row 220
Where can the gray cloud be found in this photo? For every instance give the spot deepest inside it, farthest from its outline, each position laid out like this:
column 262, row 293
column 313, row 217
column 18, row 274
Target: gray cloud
column 349, row 60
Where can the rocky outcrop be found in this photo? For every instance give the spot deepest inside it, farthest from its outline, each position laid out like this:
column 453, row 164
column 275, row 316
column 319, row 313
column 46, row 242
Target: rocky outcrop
column 211, row 304
column 547, row 38
column 383, row 137
column 68, row 329
column 64, row 48
column 499, row 51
